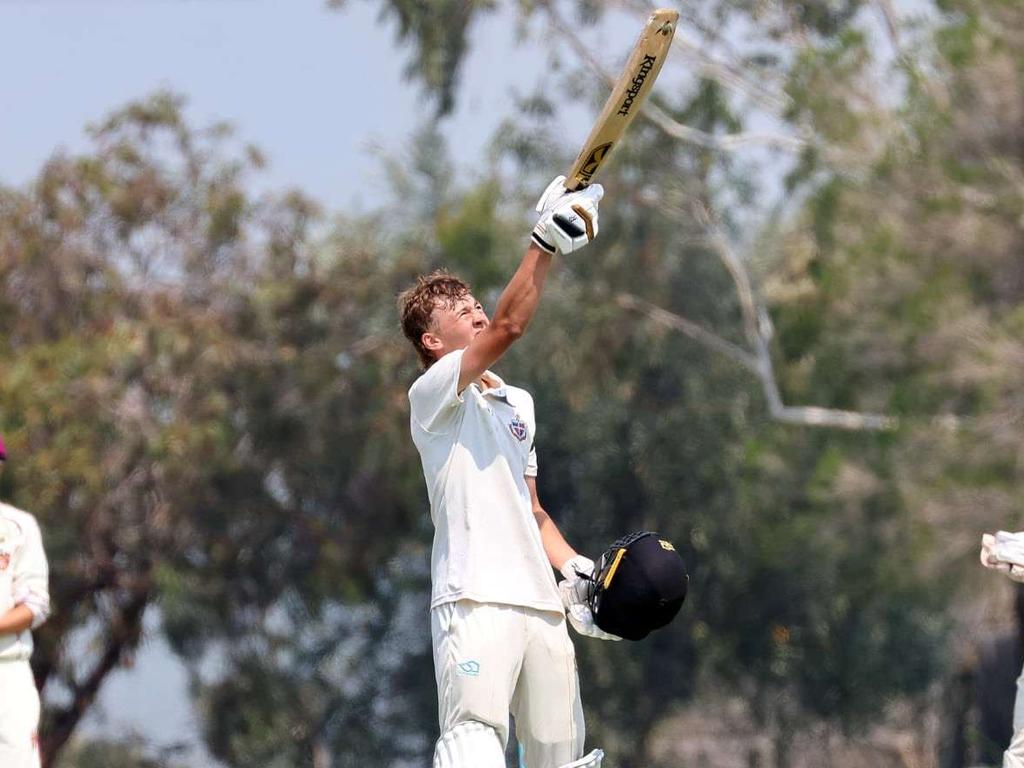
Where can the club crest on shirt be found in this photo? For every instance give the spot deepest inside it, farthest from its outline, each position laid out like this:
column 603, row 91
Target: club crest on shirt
column 5, row 560
column 518, row 428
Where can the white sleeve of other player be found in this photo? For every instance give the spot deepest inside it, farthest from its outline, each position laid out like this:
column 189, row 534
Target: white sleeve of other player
column 433, row 397
column 31, row 575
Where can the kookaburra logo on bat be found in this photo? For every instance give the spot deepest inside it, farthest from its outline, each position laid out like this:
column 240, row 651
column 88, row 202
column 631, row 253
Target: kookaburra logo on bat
column 594, row 160
column 638, row 82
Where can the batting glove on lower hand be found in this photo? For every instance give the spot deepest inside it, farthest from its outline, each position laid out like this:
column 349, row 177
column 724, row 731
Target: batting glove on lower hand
column 578, row 571
column 576, row 567
column 568, row 220
column 579, row 613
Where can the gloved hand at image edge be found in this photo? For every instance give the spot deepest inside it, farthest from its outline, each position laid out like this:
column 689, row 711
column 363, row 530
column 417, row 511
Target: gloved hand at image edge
column 1004, row 552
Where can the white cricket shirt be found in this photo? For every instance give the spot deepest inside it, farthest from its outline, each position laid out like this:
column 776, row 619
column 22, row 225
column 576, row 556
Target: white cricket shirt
column 476, row 449
column 24, row 577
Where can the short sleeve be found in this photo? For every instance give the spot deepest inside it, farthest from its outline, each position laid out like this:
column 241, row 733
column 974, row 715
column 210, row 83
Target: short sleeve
column 433, row 397
column 531, row 462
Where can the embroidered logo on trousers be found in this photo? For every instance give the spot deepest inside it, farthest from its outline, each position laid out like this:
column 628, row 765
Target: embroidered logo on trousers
column 469, row 669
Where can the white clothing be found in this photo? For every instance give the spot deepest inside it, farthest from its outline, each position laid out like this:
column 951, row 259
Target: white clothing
column 19, row 716
column 490, row 659
column 1013, row 757
column 469, row 744
column 24, row 577
column 1009, row 547
column 593, row 760
column 477, row 449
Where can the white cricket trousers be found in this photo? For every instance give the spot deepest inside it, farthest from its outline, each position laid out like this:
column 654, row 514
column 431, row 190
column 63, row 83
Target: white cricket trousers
column 19, row 716
column 1014, row 755
column 492, row 659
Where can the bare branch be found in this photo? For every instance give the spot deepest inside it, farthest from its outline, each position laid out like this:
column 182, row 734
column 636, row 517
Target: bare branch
column 124, row 634
column 724, row 142
column 811, row 416
column 761, row 366
column 891, row 24
column 662, row 119
column 758, row 330
column 689, row 328
column 727, row 74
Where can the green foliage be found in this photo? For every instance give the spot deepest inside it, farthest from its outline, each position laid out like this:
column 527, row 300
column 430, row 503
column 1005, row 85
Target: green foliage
column 205, row 398
column 126, row 753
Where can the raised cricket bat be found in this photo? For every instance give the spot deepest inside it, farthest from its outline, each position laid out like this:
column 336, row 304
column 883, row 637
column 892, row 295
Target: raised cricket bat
column 626, row 98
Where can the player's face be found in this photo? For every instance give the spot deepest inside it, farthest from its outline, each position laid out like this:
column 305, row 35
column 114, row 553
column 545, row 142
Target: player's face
column 457, row 325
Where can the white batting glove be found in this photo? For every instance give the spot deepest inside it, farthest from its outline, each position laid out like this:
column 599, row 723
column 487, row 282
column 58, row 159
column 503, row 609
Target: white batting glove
column 579, row 613
column 577, row 571
column 549, row 196
column 568, row 220
column 573, row 589
column 1000, row 553
column 577, row 566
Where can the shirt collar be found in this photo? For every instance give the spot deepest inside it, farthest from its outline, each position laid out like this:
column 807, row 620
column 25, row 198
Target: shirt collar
column 499, row 390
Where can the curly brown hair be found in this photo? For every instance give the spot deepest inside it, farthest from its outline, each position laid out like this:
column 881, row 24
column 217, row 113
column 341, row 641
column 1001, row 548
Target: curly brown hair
column 417, row 303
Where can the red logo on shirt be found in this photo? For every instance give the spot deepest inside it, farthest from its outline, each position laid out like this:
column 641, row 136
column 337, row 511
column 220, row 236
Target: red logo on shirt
column 5, row 560
column 518, row 427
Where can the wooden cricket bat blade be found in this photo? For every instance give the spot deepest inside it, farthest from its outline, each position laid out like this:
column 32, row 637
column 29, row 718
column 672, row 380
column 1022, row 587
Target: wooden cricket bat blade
column 627, row 96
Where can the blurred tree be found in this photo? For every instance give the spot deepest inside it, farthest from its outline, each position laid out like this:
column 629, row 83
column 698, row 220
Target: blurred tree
column 206, row 393
column 131, row 752
column 189, row 400
column 437, row 31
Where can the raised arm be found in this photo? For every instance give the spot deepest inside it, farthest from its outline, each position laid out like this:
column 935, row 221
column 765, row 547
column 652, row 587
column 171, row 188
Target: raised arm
column 568, row 222
column 516, row 307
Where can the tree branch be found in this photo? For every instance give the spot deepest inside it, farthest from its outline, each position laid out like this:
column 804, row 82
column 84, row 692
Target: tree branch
column 711, row 67
column 662, row 119
column 760, row 365
column 124, row 635
column 689, row 328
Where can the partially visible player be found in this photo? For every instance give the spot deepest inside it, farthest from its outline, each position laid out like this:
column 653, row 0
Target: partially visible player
column 24, row 605
column 498, row 620
column 1004, row 552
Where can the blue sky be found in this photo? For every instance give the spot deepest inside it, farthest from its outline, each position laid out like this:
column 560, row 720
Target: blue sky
column 317, row 90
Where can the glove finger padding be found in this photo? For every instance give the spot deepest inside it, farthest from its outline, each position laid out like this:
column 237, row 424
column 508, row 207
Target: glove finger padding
column 577, row 566
column 550, row 195
column 573, row 592
column 569, row 222
column 582, row 621
column 574, row 598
